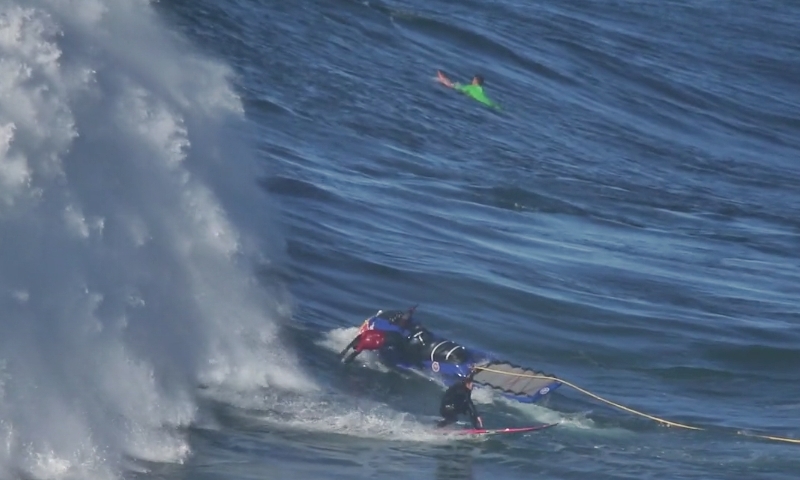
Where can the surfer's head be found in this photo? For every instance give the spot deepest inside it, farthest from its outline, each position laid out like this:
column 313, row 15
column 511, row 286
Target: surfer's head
column 477, row 80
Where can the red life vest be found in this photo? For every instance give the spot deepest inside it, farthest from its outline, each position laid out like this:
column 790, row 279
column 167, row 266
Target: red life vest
column 370, row 340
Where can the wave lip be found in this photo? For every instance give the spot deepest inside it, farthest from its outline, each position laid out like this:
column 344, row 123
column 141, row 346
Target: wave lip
column 125, row 275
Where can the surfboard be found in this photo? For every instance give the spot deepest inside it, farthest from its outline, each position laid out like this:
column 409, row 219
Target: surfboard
column 499, row 431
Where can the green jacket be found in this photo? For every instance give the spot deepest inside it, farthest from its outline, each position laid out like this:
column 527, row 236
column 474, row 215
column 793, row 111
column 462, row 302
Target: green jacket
column 476, row 92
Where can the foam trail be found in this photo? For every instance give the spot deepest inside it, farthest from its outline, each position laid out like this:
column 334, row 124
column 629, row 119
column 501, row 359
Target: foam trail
column 125, row 266
column 333, row 414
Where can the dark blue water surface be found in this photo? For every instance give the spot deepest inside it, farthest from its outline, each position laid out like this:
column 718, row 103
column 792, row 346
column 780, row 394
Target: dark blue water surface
column 628, row 220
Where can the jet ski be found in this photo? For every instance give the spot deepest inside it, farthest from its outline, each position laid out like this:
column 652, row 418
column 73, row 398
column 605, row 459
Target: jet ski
column 449, row 361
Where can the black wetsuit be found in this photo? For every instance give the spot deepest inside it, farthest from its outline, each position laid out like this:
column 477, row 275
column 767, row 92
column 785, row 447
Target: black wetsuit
column 418, row 345
column 457, row 401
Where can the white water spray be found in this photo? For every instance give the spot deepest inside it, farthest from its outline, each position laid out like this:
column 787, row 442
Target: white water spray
column 129, row 220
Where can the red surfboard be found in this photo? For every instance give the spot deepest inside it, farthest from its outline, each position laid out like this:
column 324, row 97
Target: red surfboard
column 497, row 431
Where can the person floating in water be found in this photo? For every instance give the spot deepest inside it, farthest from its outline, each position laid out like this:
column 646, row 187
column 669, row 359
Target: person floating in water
column 457, row 401
column 474, row 89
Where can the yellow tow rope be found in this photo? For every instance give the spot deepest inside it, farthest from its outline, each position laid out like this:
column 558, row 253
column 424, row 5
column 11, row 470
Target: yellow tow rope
column 629, row 410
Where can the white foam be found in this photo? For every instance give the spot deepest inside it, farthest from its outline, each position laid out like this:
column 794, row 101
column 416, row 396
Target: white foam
column 126, row 241
column 337, row 415
column 543, row 414
column 335, row 340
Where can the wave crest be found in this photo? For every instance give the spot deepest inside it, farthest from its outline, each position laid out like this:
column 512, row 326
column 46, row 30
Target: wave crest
column 126, row 273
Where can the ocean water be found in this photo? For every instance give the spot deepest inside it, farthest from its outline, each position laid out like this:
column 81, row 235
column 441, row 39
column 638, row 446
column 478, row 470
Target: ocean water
column 200, row 201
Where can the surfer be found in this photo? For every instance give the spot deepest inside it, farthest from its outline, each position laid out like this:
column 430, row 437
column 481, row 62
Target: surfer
column 457, row 400
column 473, row 89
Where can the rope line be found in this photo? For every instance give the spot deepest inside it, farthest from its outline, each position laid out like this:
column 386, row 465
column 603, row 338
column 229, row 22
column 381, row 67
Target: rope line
column 629, row 410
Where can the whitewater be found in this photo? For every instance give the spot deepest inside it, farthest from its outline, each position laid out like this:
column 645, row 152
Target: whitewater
column 126, row 282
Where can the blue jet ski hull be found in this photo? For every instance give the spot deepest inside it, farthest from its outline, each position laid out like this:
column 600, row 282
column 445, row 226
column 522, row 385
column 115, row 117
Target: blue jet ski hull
column 450, row 362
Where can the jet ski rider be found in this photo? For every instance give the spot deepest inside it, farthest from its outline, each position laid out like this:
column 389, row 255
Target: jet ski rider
column 395, row 334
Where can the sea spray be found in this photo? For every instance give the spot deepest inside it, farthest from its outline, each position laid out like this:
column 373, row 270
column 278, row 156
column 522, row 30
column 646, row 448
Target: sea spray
column 130, row 219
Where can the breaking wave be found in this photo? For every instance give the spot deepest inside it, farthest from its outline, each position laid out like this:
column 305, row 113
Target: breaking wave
column 127, row 273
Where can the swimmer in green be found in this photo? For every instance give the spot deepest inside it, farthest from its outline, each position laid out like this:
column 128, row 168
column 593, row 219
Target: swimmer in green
column 474, row 89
